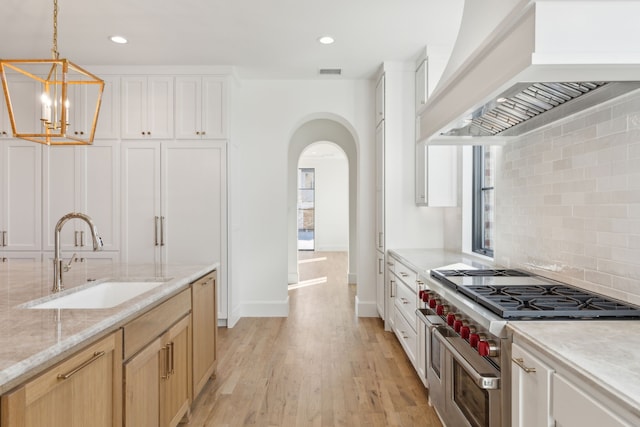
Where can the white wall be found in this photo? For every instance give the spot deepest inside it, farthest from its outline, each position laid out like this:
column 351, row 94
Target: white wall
column 265, row 113
column 331, row 201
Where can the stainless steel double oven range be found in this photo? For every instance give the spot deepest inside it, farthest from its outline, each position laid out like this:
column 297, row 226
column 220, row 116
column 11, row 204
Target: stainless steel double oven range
column 465, row 310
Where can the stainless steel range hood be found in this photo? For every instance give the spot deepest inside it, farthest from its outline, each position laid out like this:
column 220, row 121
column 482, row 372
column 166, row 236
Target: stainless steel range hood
column 546, row 60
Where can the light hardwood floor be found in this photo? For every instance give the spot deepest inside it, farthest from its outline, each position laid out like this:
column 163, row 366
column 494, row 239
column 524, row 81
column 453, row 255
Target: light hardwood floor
column 321, row 366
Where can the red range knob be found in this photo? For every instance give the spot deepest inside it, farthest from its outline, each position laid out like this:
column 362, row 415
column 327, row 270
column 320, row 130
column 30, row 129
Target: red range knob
column 465, row 331
column 442, row 309
column 457, row 325
column 425, row 296
column 487, row 348
column 433, row 302
column 474, row 339
column 420, row 294
column 451, row 318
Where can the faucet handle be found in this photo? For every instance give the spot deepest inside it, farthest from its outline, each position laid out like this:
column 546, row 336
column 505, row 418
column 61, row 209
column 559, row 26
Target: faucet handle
column 67, row 267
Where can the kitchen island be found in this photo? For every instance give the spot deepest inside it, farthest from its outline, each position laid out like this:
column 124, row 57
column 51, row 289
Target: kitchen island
column 34, row 340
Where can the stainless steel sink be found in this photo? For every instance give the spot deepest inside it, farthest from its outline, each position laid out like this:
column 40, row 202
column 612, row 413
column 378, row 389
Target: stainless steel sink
column 103, row 294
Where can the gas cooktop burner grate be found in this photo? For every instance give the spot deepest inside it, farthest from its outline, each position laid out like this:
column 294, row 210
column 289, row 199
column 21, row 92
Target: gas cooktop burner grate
column 481, row 273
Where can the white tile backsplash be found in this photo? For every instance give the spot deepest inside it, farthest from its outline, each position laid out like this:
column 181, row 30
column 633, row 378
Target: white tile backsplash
column 568, row 200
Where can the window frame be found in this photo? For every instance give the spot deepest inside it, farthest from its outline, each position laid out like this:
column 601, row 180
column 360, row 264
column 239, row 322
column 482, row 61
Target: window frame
column 478, row 230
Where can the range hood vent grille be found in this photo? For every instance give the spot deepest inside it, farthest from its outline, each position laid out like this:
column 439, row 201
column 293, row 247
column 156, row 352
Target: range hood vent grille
column 522, row 102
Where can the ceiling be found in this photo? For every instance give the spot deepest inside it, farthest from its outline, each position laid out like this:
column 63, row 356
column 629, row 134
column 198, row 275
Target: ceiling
column 262, row 38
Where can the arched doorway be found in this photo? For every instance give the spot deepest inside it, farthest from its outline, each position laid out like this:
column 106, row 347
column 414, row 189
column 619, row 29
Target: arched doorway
column 336, row 131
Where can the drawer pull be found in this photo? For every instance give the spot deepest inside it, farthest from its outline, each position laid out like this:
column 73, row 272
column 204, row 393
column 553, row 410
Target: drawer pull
column 404, row 300
column 206, row 282
column 403, row 274
column 520, row 362
column 97, row 355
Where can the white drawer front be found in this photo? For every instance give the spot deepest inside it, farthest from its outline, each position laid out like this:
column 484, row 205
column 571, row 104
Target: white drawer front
column 405, row 274
column 406, row 302
column 406, row 335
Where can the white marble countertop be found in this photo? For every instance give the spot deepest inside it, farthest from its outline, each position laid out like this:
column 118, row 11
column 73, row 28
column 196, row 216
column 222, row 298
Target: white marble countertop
column 604, row 353
column 32, row 340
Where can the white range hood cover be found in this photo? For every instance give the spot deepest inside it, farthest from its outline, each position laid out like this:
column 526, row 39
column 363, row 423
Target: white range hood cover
column 537, row 41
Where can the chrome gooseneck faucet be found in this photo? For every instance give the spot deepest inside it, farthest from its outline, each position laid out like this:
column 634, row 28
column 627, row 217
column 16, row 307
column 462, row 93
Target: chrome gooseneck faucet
column 57, row 261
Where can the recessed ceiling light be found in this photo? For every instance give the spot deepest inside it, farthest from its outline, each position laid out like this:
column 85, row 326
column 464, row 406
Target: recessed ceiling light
column 118, row 39
column 326, row 40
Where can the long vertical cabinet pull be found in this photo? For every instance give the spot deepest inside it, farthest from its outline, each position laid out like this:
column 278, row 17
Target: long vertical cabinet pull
column 161, row 231
column 4, row 238
column 165, row 362
column 155, row 236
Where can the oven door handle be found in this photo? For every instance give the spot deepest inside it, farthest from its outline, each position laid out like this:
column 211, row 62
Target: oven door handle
column 486, row 382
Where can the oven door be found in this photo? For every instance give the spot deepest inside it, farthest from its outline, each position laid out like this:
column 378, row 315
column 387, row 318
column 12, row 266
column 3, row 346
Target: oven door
column 472, row 385
column 434, row 364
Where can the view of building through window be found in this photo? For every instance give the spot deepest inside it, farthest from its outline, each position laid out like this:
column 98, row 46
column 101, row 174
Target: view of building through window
column 306, row 209
column 484, row 160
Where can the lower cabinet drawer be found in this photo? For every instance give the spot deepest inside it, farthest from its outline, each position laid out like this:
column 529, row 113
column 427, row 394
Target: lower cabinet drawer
column 406, row 335
column 407, row 302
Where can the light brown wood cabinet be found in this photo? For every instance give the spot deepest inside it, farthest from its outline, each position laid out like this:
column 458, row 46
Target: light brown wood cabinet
column 205, row 326
column 83, row 390
column 157, row 368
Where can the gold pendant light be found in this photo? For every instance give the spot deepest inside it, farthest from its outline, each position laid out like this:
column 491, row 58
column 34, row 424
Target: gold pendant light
column 51, row 101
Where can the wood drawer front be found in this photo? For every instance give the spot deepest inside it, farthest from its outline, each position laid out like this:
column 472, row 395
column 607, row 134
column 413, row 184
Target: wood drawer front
column 141, row 331
column 49, row 380
column 406, row 303
column 407, row 336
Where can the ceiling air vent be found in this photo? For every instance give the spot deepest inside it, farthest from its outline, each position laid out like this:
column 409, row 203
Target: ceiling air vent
column 330, row 71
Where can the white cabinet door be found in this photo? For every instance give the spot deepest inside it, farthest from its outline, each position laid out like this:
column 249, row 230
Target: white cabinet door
column 5, row 125
column 174, row 202
column 380, row 196
column 436, row 175
column 193, row 191
column 26, row 114
column 380, row 100
column 380, row 285
column 200, row 107
column 108, row 126
column 20, row 195
column 82, row 179
column 147, row 107
column 422, row 84
column 82, row 109
column 141, row 201
column 530, row 390
column 572, row 406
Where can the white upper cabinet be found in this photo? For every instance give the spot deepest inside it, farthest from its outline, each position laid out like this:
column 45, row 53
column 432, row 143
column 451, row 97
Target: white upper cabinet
column 108, row 126
column 422, row 82
column 26, row 114
column 436, row 175
column 82, row 179
column 380, row 88
column 20, row 195
column 201, row 107
column 5, row 125
column 147, row 107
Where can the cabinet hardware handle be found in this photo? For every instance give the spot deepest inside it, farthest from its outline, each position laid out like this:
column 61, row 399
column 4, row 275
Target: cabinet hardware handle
column 204, row 133
column 205, row 282
column 403, row 274
column 166, row 370
column 171, row 346
column 404, row 300
column 520, row 362
column 380, row 266
column 4, row 238
column 75, row 238
column 82, row 238
column 161, row 231
column 419, row 282
column 389, row 263
column 393, row 282
column 97, row 355
column 380, row 239
column 155, row 237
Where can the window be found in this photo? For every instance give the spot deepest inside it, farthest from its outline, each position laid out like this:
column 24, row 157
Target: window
column 484, row 169
column 306, row 208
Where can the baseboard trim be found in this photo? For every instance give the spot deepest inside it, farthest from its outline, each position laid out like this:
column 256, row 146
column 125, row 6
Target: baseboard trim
column 366, row 308
column 293, row 278
column 265, row 308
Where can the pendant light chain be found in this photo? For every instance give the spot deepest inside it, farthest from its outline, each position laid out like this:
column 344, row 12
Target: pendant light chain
column 54, row 50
